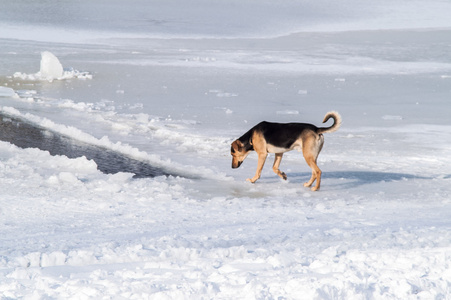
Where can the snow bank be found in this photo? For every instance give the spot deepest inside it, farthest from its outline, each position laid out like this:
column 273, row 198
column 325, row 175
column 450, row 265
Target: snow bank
column 85, row 234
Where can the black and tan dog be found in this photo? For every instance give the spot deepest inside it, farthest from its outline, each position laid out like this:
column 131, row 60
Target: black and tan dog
column 279, row 138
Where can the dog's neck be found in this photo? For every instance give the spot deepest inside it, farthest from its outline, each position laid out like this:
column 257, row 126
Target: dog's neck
column 246, row 139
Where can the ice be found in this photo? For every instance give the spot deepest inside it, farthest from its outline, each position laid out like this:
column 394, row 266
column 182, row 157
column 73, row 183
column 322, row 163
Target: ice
column 51, row 67
column 174, row 85
column 392, row 118
column 7, row 92
column 287, row 112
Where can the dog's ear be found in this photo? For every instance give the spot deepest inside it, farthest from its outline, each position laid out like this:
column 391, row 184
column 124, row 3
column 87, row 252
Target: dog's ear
column 237, row 145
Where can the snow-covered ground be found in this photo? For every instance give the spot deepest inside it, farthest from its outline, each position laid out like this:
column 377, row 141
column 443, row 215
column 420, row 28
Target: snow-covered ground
column 173, row 83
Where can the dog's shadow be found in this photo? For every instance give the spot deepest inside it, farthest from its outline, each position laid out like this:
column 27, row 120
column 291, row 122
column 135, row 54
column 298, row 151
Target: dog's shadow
column 352, row 179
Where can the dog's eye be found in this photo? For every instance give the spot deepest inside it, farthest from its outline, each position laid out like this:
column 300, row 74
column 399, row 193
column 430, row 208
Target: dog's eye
column 232, row 150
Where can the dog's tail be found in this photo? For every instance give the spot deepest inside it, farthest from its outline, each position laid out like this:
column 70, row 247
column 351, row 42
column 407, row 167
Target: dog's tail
column 337, row 122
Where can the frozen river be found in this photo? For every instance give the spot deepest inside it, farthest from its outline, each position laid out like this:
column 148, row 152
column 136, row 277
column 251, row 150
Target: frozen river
column 168, row 85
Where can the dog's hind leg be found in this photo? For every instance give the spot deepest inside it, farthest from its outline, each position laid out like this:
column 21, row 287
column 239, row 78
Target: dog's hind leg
column 316, row 173
column 311, row 150
column 276, row 165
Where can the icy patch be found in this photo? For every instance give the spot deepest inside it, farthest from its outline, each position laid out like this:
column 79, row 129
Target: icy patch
column 392, row 118
column 226, row 110
column 226, row 95
column 222, row 94
column 26, row 93
column 287, row 112
column 7, row 92
column 51, row 69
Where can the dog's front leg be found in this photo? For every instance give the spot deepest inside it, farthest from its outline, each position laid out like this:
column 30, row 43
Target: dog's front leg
column 261, row 163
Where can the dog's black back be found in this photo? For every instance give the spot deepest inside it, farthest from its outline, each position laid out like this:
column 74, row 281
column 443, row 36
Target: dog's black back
column 281, row 135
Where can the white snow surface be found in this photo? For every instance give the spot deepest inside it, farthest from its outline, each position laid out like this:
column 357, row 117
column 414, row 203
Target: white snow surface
column 173, row 85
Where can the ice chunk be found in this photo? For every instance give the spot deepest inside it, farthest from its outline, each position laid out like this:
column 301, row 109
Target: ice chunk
column 51, row 67
column 7, row 92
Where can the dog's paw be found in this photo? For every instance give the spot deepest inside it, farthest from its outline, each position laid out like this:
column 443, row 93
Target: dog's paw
column 307, row 184
column 250, row 180
column 284, row 176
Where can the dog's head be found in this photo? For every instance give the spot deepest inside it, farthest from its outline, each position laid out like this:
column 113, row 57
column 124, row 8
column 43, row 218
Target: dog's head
column 239, row 153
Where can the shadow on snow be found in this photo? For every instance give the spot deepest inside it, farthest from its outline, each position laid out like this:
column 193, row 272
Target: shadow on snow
column 350, row 179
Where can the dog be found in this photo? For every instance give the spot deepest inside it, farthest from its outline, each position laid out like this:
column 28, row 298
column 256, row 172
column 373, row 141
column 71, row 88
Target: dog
column 278, row 138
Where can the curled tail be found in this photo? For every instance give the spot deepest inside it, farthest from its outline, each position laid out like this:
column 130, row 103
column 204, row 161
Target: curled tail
column 337, row 122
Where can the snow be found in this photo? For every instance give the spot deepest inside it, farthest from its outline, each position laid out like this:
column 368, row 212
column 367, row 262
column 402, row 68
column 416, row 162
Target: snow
column 173, row 85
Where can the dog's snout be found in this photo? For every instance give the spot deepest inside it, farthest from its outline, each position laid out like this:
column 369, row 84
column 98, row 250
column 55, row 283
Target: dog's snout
column 236, row 165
